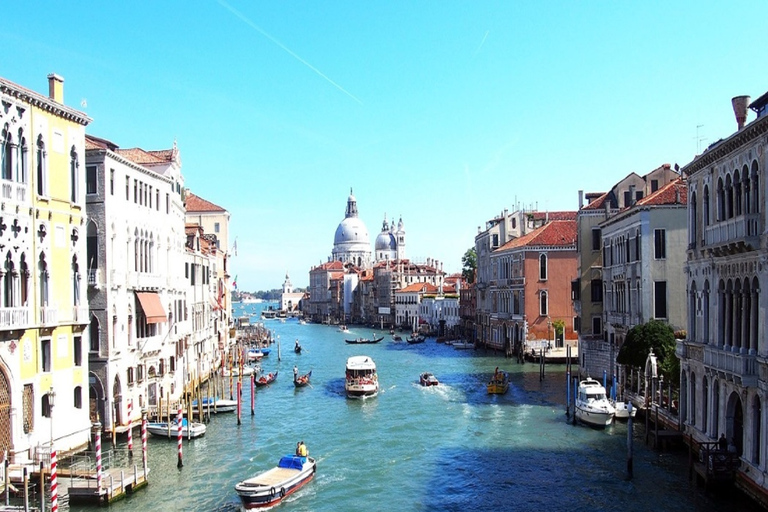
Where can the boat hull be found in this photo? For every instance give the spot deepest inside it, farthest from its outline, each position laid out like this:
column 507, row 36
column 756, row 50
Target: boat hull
column 161, row 430
column 362, row 390
column 594, row 418
column 254, row 496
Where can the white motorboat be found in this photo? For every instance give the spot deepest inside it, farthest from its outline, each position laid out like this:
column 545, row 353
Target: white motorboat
column 215, row 405
column 592, row 404
column 270, row 487
column 361, row 380
column 188, row 431
column 622, row 410
column 463, row 345
column 235, row 371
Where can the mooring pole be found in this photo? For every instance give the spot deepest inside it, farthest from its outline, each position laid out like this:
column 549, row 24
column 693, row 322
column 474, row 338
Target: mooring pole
column 630, row 448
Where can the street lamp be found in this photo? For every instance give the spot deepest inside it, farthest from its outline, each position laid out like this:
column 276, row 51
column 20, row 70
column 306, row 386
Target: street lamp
column 51, row 400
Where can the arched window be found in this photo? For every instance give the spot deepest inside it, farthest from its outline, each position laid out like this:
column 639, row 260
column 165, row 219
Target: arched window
column 755, row 185
column 74, row 176
column 42, row 168
column 7, row 156
column 43, row 281
column 693, row 222
column 8, row 281
column 24, row 280
column 705, row 204
column 94, row 334
column 757, row 414
column 78, row 397
column 542, row 267
column 22, row 165
column 692, row 405
column 543, row 303
column 75, row 282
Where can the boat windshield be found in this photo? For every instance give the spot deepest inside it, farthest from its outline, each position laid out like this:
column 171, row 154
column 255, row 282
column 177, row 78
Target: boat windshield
column 596, row 396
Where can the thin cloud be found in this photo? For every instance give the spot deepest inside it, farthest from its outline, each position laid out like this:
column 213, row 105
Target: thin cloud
column 482, row 42
column 287, row 50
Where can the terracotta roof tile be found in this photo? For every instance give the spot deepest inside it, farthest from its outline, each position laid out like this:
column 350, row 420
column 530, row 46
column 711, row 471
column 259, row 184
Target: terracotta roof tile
column 139, row 156
column 565, row 215
column 552, row 234
column 418, row 287
column 674, row 192
column 198, row 204
column 597, row 203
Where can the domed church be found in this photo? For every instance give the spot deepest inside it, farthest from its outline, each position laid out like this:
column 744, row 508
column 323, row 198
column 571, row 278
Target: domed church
column 352, row 243
column 390, row 244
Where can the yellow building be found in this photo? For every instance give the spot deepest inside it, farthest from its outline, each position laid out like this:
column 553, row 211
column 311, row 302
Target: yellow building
column 43, row 304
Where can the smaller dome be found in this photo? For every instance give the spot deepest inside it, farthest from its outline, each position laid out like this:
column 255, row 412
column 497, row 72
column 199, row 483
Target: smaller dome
column 385, row 242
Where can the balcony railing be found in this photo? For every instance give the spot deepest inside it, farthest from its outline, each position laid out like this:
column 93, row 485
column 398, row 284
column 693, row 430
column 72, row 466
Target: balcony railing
column 94, row 277
column 49, row 315
column 14, row 318
column 80, row 314
column 736, row 363
column 737, row 229
column 14, row 191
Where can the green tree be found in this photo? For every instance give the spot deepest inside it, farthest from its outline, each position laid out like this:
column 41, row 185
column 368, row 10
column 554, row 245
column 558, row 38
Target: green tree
column 469, row 265
column 654, row 335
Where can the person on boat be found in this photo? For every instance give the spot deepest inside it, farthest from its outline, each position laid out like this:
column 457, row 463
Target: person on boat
column 295, row 373
column 303, row 452
column 298, row 446
column 297, row 343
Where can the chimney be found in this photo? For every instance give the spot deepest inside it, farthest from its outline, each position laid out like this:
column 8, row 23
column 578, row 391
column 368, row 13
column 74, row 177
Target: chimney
column 740, row 104
column 631, row 196
column 581, row 199
column 56, row 88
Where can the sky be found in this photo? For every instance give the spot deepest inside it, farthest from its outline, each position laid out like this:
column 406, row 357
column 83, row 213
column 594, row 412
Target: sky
column 440, row 113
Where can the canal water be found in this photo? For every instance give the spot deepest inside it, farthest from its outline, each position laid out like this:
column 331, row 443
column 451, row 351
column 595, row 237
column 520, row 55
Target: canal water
column 447, row 448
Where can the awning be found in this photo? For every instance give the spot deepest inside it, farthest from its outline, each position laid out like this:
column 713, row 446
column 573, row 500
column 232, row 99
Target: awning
column 153, row 309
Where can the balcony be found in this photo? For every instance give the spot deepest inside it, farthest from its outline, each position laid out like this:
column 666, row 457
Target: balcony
column 13, row 191
column 14, row 318
column 49, row 316
column 739, row 365
column 744, row 229
column 80, row 315
column 94, row 278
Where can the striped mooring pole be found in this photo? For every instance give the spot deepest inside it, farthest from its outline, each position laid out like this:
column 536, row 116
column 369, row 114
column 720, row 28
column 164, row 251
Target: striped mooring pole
column 130, row 429
column 144, row 441
column 239, row 400
column 97, row 447
column 54, row 483
column 179, row 420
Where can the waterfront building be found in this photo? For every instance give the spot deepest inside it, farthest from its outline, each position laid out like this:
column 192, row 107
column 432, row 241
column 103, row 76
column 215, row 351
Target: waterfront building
column 214, row 221
column 408, row 302
column 43, row 309
column 203, row 334
column 440, row 310
column 530, row 287
column 393, row 275
column 137, row 290
column 596, row 352
column 290, row 300
column 642, row 281
column 467, row 310
column 322, row 278
column 724, row 360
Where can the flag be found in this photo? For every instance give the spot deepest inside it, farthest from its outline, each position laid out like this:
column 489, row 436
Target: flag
column 234, row 283
column 234, row 248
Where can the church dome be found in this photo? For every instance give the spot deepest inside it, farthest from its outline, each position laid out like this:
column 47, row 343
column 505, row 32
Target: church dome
column 385, row 242
column 351, row 230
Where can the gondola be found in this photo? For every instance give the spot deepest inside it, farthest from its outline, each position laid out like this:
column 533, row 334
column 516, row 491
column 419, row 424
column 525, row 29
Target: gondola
column 302, row 380
column 364, row 341
column 266, row 380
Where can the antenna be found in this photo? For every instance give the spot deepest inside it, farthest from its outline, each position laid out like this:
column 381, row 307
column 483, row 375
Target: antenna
column 699, row 139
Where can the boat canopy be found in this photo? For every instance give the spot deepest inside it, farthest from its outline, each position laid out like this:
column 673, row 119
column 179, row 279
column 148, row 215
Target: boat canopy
column 291, row 462
column 360, row 363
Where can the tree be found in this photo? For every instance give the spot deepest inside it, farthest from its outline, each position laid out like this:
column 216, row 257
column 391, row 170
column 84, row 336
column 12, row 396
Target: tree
column 469, row 265
column 654, row 335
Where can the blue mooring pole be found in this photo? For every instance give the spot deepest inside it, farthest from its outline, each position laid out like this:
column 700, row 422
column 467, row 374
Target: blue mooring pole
column 567, row 393
column 630, row 470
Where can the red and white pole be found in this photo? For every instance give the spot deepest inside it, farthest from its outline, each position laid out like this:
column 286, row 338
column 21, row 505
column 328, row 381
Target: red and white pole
column 54, row 483
column 179, row 420
column 97, row 433
column 239, row 400
column 144, row 441
column 130, row 428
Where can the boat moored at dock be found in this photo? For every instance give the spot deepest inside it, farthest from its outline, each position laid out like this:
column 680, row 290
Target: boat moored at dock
column 188, row 430
column 592, row 404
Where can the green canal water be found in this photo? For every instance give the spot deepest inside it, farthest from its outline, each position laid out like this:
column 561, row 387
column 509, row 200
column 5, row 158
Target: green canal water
column 446, row 448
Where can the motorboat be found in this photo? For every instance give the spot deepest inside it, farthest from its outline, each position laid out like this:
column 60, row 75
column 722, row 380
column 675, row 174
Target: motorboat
column 499, row 383
column 270, row 487
column 592, row 404
column 428, row 379
column 463, row 345
column 344, row 329
column 188, row 430
column 255, row 355
column 361, row 380
column 236, row 371
column 622, row 410
column 215, row 405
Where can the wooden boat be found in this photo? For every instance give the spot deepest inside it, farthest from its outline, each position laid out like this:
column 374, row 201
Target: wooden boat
column 302, row 380
column 397, row 338
column 499, row 383
column 235, row 371
column 215, row 405
column 416, row 338
column 592, row 405
column 427, row 379
column 266, row 380
column 361, row 379
column 297, row 349
column 365, row 341
column 270, row 487
column 162, row 429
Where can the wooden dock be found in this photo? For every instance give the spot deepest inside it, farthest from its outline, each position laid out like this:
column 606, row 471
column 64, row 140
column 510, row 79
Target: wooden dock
column 115, row 484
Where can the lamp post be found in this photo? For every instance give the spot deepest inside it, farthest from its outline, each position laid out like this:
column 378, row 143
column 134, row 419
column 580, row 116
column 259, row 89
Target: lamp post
column 51, row 400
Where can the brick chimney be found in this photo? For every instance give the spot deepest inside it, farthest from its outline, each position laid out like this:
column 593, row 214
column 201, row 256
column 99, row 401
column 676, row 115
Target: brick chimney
column 56, row 88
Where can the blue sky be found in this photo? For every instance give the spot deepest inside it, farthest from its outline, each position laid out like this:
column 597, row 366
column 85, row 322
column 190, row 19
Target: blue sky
column 444, row 113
